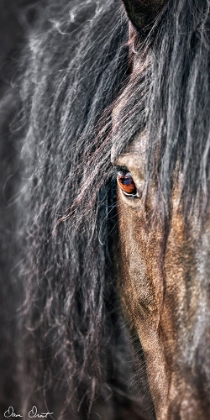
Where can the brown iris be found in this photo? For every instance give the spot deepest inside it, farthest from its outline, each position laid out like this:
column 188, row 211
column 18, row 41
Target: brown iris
column 126, row 183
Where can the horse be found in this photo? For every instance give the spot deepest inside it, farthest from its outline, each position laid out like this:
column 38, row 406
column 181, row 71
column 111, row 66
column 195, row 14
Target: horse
column 105, row 216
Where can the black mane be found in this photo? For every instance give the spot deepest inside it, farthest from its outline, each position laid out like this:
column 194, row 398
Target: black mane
column 71, row 335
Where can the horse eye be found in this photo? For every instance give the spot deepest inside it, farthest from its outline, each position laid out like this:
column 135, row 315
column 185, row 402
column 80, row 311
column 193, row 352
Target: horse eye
column 126, row 183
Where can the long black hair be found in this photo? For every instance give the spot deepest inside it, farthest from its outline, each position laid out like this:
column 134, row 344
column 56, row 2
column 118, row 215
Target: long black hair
column 73, row 340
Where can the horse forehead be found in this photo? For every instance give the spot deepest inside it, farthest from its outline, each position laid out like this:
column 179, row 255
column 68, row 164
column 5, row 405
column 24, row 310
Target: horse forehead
column 135, row 151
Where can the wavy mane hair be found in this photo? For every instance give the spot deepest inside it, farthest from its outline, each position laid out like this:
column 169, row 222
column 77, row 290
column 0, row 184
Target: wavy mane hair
column 72, row 346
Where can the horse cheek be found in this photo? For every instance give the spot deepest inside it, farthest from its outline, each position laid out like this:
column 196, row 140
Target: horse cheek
column 140, row 284
column 182, row 314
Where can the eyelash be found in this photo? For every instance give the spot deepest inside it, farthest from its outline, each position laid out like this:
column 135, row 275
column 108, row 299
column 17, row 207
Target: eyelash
column 126, row 182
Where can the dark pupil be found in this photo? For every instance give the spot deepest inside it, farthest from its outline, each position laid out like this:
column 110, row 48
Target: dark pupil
column 127, row 180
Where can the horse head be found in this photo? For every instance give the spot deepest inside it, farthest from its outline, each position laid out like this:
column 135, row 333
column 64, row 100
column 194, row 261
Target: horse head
column 164, row 238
